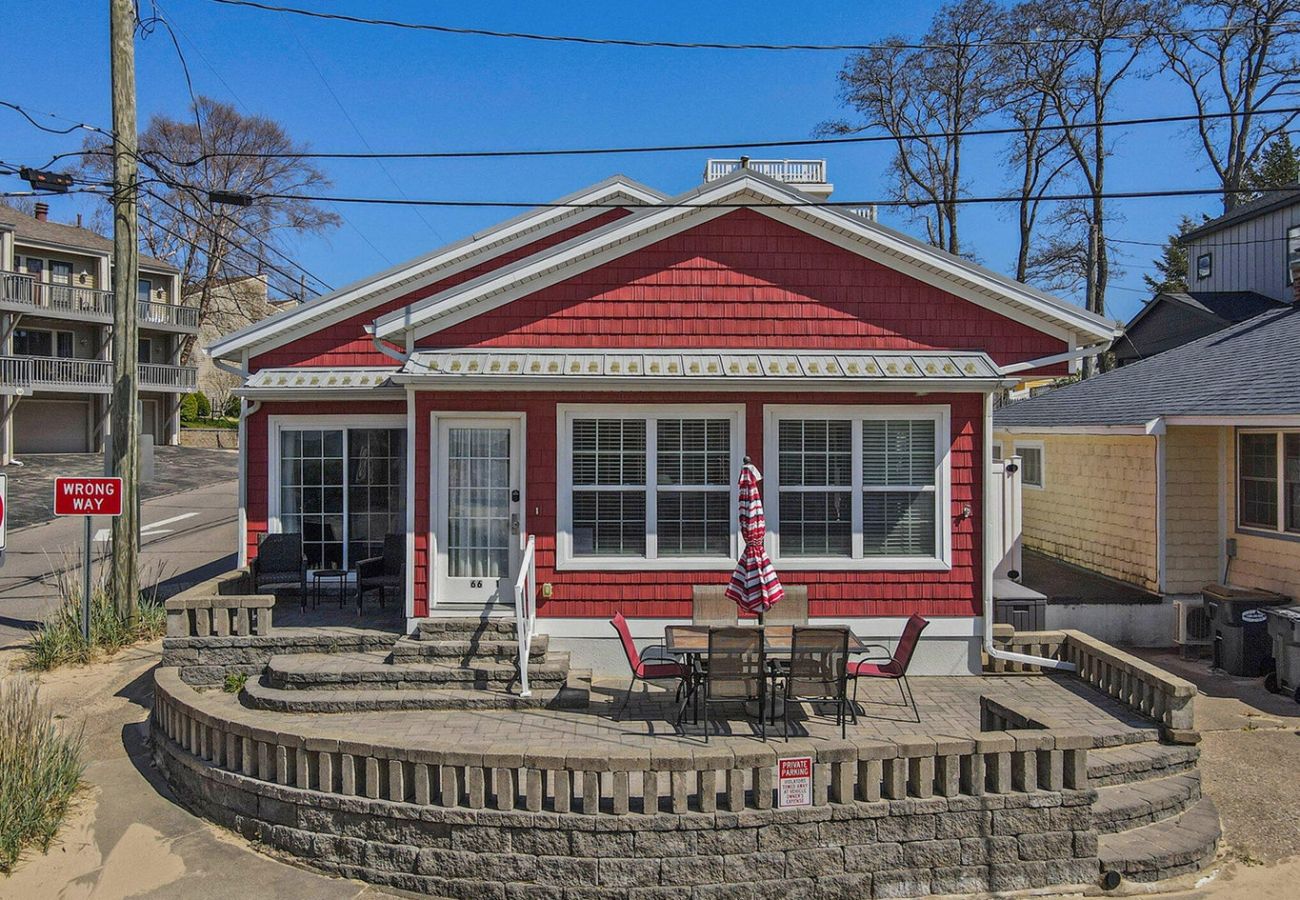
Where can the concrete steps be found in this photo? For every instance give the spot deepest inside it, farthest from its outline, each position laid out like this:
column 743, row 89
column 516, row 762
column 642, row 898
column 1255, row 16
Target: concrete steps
column 1123, row 807
column 1165, row 849
column 374, row 671
column 1139, row 762
column 465, row 628
column 255, row 695
column 467, row 649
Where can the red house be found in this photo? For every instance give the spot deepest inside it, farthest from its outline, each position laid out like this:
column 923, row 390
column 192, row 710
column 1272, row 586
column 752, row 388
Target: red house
column 591, row 375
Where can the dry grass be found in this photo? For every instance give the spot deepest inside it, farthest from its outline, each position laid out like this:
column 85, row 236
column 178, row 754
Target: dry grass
column 40, row 769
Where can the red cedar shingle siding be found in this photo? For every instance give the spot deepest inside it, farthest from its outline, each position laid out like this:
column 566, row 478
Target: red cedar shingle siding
column 746, row 280
column 599, row 594
column 346, row 343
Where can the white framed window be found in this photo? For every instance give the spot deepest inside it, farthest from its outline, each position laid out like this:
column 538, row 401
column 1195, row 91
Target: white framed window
column 1032, row 456
column 1292, row 250
column 648, row 487
column 1268, row 481
column 858, row 487
column 340, row 482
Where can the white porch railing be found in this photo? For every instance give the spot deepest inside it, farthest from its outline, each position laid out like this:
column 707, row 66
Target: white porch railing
column 24, row 293
column 791, row 171
column 168, row 377
column 153, row 312
column 526, row 611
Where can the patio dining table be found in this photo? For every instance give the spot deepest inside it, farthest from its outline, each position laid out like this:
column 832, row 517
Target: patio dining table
column 690, row 643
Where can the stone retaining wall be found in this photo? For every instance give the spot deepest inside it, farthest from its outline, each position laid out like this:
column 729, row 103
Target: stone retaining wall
column 890, row 818
column 210, row 438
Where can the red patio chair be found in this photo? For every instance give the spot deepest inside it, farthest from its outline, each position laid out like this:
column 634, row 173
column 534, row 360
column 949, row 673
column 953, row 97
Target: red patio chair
column 642, row 670
column 895, row 667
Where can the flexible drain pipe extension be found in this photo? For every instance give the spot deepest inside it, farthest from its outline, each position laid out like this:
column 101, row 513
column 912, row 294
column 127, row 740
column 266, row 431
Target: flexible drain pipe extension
column 990, row 563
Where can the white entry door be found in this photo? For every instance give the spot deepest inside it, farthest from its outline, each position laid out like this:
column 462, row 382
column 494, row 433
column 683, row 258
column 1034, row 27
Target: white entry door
column 478, row 515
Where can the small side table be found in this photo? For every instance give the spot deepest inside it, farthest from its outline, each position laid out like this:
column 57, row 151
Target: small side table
column 326, row 575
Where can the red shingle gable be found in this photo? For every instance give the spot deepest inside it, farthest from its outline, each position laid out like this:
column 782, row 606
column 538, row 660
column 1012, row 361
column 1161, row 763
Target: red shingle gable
column 747, row 280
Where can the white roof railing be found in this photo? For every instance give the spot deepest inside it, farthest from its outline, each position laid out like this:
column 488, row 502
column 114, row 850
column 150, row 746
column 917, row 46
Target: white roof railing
column 791, row 171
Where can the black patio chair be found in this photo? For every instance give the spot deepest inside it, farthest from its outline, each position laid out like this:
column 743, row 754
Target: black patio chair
column 280, row 560
column 737, row 671
column 384, row 572
column 817, row 672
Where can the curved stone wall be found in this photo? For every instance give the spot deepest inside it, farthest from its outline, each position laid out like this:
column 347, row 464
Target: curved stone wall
column 849, row 844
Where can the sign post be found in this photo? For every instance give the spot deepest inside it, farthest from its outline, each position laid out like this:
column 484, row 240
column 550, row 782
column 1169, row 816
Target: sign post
column 87, row 497
column 4, row 515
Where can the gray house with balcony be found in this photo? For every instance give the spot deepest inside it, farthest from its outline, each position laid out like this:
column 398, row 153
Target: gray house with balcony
column 56, row 318
column 1238, row 267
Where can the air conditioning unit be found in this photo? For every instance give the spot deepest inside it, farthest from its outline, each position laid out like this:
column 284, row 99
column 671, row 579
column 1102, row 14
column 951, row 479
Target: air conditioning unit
column 1191, row 625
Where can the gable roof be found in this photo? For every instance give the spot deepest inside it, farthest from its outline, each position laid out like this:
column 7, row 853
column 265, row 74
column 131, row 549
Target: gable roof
column 1248, row 369
column 408, row 276
column 1227, row 307
column 769, row 197
column 73, row 237
column 1265, row 204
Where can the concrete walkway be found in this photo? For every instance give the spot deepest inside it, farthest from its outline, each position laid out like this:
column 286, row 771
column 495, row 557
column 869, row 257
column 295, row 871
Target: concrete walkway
column 127, row 837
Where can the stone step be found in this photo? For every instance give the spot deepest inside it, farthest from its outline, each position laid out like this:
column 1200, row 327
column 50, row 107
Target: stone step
column 1165, row 849
column 1121, row 807
column 372, row 671
column 464, row 628
column 1139, row 762
column 410, row 650
column 256, row 695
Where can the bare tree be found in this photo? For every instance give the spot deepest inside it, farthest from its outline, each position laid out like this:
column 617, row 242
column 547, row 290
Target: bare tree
column 1235, row 56
column 941, row 86
column 1087, row 48
column 211, row 243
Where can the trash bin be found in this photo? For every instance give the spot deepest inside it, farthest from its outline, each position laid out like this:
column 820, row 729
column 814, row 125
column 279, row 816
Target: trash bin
column 1284, row 633
column 1240, row 627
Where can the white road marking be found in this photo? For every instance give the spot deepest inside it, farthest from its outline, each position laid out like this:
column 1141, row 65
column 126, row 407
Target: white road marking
column 153, row 529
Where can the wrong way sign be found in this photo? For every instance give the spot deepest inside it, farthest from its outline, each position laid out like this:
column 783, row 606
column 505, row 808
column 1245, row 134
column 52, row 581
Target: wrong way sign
column 87, row 496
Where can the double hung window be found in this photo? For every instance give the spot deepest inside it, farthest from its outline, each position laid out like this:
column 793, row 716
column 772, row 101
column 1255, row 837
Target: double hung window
column 1268, row 481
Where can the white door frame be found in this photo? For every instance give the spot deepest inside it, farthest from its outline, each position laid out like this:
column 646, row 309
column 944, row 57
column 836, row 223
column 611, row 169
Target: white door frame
column 437, row 455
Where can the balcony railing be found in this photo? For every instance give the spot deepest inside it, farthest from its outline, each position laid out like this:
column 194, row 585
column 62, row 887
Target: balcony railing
column 168, row 378
column 791, row 171
column 37, row 296
column 151, row 312
column 48, row 373
column 24, row 293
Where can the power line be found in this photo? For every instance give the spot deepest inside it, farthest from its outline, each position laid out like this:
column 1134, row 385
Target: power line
column 727, row 145
column 715, row 45
column 30, row 116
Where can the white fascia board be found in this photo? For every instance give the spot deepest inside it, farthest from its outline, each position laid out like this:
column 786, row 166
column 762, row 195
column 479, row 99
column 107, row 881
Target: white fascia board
column 889, row 248
column 286, row 326
column 1278, row 421
column 1073, row 429
column 769, row 384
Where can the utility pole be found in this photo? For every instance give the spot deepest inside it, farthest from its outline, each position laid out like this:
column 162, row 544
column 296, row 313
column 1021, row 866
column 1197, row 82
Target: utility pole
column 125, row 459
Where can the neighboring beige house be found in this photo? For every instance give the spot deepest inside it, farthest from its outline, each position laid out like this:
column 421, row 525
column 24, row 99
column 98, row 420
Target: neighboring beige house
column 232, row 305
column 1169, row 473
column 56, row 315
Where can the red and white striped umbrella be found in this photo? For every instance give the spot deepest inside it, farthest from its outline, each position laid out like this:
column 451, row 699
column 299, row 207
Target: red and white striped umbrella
column 754, row 586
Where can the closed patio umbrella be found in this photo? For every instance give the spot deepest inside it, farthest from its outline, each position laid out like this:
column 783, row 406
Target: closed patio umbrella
column 754, row 586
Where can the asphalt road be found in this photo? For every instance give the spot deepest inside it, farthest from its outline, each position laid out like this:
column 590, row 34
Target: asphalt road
column 186, row 537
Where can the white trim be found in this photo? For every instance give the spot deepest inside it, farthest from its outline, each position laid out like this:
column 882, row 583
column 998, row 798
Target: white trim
column 409, row 587
column 1154, row 425
column 942, row 417
column 1279, row 448
column 391, row 283
column 1224, row 498
column 278, row 423
column 1042, row 463
column 1162, row 505
column 957, row 276
column 1071, row 429
column 435, row 552
column 565, row 413
column 1274, row 421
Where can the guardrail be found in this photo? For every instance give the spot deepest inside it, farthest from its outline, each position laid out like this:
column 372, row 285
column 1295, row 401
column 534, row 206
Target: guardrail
column 26, row 291
column 152, row 312
column 791, row 171
column 53, row 373
column 670, row 778
column 526, row 610
column 158, row 375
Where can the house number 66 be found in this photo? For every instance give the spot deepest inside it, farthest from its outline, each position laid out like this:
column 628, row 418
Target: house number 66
column 476, row 583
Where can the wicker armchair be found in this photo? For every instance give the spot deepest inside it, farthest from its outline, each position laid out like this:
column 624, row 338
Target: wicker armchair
column 385, row 572
column 280, row 561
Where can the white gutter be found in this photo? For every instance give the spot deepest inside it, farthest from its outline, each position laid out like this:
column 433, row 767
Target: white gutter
column 246, row 408
column 990, row 563
column 1068, row 356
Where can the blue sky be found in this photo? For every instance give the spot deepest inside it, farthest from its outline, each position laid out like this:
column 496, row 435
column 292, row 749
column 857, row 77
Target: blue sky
column 408, row 91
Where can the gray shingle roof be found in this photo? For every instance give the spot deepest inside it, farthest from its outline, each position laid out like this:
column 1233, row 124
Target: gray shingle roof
column 1231, row 306
column 1248, row 369
column 1267, row 203
column 73, row 236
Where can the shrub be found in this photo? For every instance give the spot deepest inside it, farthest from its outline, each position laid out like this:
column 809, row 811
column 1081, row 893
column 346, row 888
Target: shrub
column 203, row 405
column 189, row 407
column 235, row 682
column 40, row 768
column 58, row 640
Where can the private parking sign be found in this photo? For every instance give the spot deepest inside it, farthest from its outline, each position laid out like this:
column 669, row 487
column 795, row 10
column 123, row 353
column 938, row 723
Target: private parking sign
column 794, row 781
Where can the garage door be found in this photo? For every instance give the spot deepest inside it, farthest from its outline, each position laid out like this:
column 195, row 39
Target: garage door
column 51, row 426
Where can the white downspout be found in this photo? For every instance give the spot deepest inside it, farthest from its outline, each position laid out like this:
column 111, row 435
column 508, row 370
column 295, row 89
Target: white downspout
column 246, row 409
column 382, row 346
column 986, row 543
